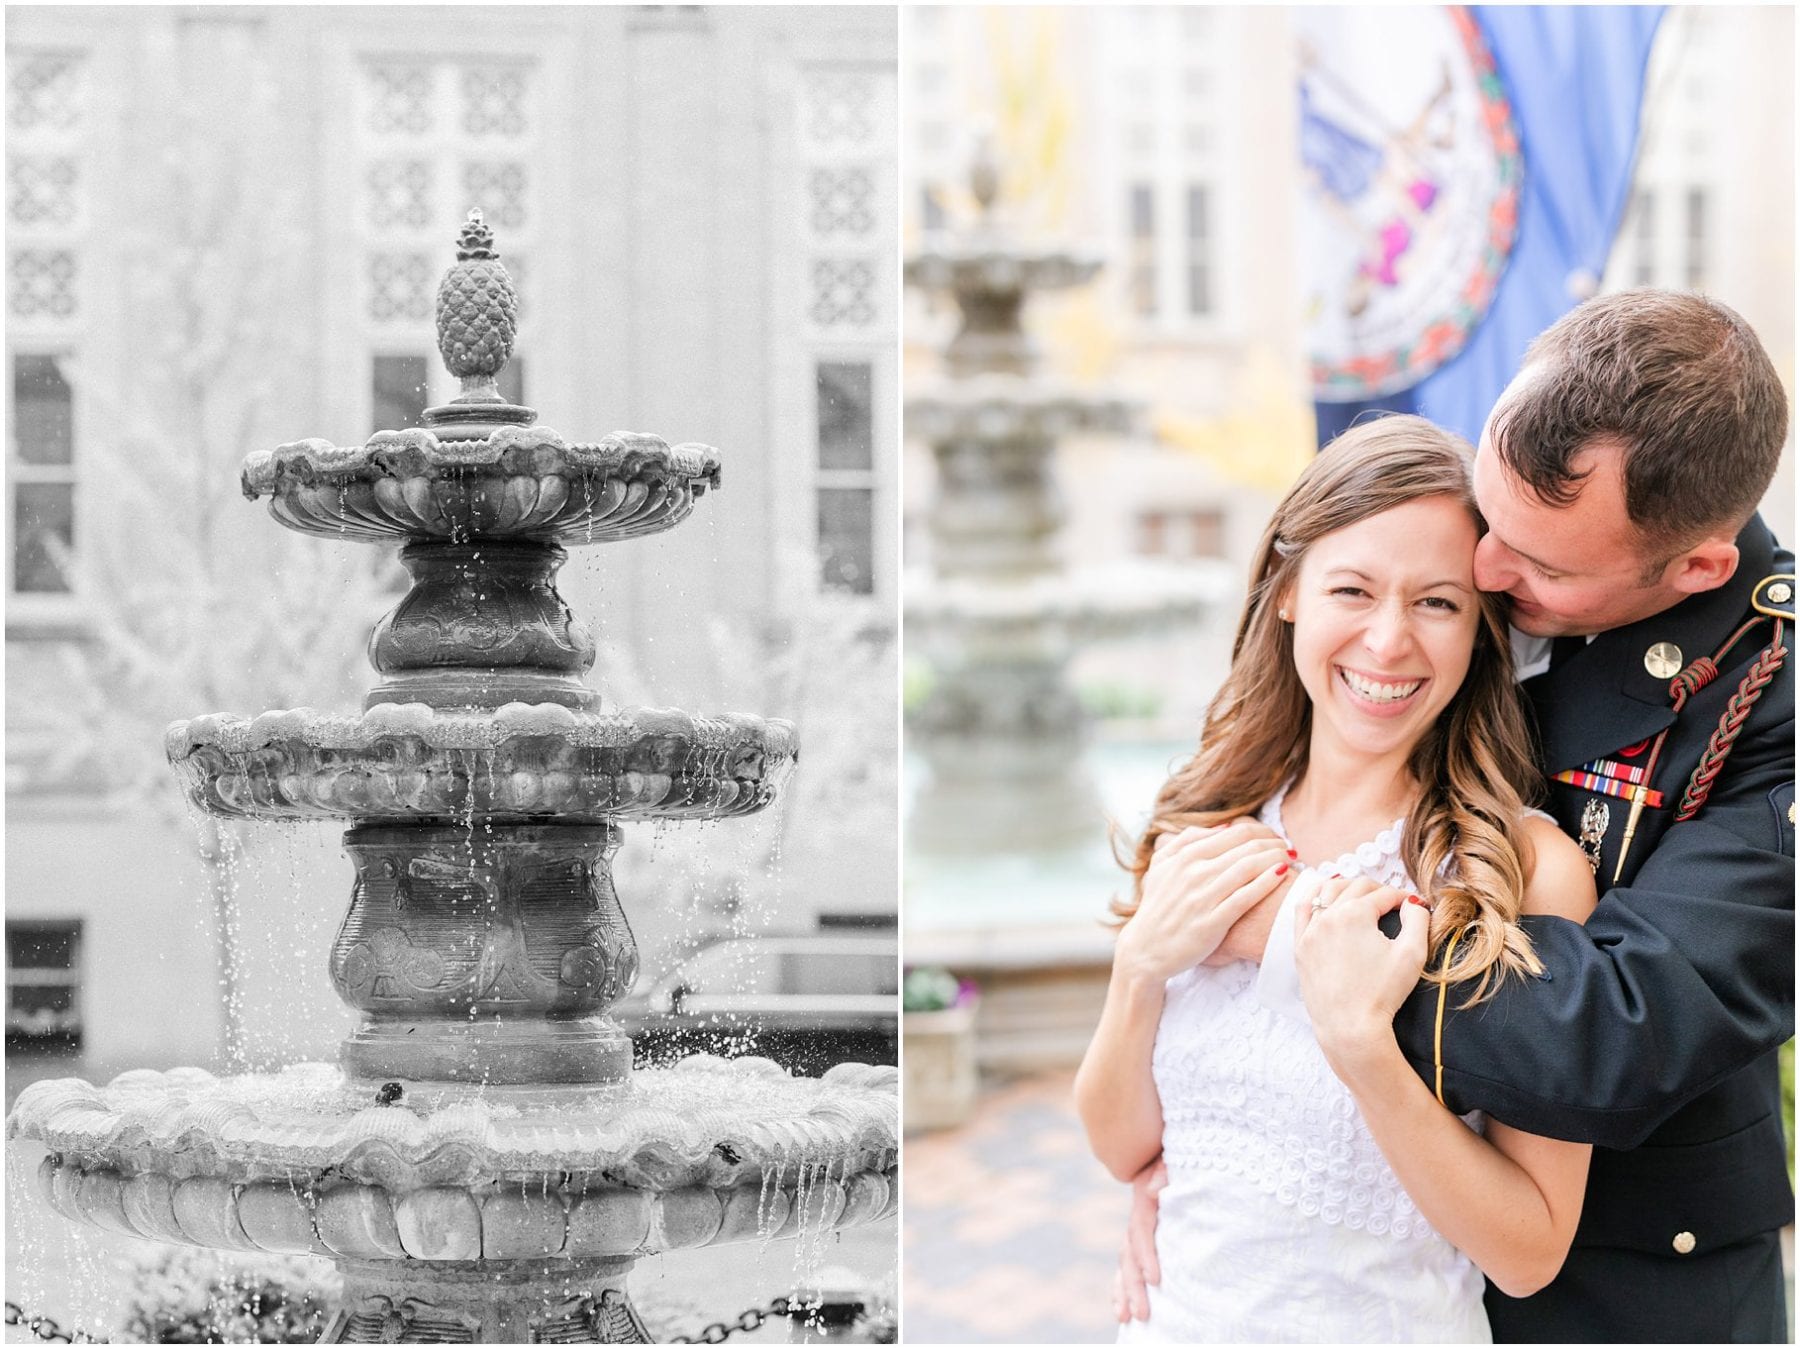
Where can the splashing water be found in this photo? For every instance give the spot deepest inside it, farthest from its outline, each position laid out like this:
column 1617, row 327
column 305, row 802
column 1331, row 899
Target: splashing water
column 54, row 1267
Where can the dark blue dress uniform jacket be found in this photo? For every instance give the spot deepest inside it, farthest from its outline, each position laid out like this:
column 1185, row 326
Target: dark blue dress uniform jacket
column 1653, row 1032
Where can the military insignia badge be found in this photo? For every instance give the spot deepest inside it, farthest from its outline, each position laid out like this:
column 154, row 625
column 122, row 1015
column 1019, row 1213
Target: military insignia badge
column 1593, row 830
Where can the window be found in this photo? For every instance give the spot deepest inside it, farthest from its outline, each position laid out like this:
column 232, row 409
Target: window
column 512, row 379
column 400, row 389
column 1196, row 23
column 42, row 464
column 43, row 986
column 1193, row 533
column 46, row 212
column 1199, row 250
column 1152, row 534
column 846, row 463
column 931, row 214
column 1141, row 273
column 1695, row 277
column 397, row 391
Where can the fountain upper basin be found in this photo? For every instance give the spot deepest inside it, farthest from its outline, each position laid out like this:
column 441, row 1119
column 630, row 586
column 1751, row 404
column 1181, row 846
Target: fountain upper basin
column 988, row 261
column 516, row 482
column 410, row 762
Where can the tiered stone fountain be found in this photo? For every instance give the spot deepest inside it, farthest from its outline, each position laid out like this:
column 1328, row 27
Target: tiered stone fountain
column 1008, row 868
column 483, row 1164
column 1001, row 615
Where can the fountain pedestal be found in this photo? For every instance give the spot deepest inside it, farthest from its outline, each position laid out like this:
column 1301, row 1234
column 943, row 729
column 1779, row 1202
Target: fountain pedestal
column 482, row 626
column 483, row 957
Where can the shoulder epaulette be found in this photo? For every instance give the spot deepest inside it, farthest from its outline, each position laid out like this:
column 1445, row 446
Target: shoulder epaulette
column 1774, row 596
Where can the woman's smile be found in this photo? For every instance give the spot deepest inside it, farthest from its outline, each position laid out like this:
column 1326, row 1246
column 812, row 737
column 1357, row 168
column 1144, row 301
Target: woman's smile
column 1381, row 696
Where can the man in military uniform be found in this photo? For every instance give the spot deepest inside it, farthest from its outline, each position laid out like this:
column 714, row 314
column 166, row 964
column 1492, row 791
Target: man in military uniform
column 1619, row 476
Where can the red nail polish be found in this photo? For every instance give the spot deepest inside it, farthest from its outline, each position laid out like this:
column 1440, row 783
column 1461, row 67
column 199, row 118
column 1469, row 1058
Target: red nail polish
column 1282, row 869
column 1292, row 854
column 1414, row 899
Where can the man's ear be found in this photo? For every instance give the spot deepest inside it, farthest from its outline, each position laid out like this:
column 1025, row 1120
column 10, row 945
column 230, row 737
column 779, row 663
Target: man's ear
column 1706, row 566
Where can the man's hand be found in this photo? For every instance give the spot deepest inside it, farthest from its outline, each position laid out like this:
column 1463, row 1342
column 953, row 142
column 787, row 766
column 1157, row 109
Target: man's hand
column 1249, row 936
column 1138, row 1267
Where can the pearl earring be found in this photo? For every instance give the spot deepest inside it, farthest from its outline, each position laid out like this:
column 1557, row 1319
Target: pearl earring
column 1282, row 614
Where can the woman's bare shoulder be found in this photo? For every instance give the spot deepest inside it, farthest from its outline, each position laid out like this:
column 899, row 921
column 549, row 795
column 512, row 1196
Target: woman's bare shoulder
column 1561, row 881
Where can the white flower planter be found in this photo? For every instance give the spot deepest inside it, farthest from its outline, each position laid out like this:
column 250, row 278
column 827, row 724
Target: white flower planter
column 938, row 1067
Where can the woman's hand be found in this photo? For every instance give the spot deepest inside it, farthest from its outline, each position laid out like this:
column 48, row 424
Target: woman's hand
column 1353, row 977
column 1199, row 883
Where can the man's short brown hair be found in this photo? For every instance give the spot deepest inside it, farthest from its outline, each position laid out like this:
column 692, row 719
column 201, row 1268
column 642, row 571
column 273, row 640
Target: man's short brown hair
column 1680, row 383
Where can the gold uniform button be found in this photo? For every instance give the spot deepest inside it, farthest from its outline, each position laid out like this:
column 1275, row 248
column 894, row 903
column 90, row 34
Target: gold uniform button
column 1663, row 660
column 1684, row 1243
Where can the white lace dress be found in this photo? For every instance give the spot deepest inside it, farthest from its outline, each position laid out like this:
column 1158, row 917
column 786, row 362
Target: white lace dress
column 1282, row 1221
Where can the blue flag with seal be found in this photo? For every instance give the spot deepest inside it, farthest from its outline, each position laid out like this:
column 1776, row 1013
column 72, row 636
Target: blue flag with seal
column 1465, row 171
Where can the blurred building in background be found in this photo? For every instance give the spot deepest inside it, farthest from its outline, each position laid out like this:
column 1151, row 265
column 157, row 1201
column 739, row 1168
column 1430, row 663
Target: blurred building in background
column 225, row 229
column 1712, row 203
column 1169, row 135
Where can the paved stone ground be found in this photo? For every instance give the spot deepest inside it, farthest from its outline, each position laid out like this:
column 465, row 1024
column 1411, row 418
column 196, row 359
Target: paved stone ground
column 1012, row 1227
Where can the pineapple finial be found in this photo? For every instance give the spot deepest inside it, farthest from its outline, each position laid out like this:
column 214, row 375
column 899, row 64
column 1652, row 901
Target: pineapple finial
column 477, row 313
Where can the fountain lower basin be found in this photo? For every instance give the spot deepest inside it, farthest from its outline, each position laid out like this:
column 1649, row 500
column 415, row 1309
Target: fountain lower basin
column 556, row 1190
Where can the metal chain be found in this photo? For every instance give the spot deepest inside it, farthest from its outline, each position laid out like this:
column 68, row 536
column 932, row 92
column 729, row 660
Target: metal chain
column 720, row 1331
column 45, row 1328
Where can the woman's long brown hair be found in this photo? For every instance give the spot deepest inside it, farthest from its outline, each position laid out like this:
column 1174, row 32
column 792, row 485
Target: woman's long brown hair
column 1464, row 841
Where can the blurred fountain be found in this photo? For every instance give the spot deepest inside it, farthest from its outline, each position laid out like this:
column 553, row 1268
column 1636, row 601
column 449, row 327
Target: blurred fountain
column 483, row 1164
column 1008, row 868
column 1001, row 614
